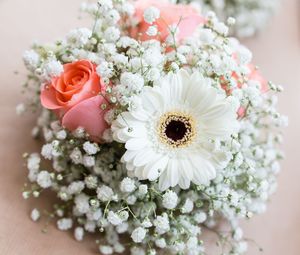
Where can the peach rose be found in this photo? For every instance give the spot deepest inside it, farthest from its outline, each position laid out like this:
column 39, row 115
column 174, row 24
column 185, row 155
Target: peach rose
column 74, row 96
column 186, row 17
column 254, row 75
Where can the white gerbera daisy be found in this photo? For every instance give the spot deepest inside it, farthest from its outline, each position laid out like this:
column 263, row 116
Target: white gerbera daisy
column 167, row 136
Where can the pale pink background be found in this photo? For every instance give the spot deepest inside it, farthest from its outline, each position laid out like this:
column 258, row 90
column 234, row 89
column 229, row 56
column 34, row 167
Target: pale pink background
column 277, row 52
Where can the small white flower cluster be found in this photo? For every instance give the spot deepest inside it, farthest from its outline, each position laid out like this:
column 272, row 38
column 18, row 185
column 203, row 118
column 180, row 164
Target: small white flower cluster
column 98, row 193
column 249, row 16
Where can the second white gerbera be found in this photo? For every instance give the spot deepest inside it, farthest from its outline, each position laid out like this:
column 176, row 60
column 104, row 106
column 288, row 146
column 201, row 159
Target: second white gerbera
column 167, row 136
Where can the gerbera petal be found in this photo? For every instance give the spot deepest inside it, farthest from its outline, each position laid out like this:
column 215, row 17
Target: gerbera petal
column 186, row 169
column 164, row 182
column 216, row 111
column 143, row 157
column 130, row 166
column 128, row 156
column 173, row 172
column 138, row 172
column 204, row 171
column 184, row 183
column 220, row 128
column 158, row 167
column 152, row 100
column 140, row 115
column 172, row 93
column 136, row 144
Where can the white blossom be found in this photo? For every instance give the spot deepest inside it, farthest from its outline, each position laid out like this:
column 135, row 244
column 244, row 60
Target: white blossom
column 47, row 150
column 88, row 161
column 104, row 69
column 79, row 37
column 79, row 233
column 90, row 226
column 151, row 14
column 20, row 109
column 152, row 31
column 114, row 218
column 119, row 248
column 127, row 185
column 137, row 251
column 91, row 181
column 112, row 34
column 170, row 200
column 75, row 187
column 112, row 16
column 161, row 224
column 31, row 58
column 44, row 179
column 161, row 243
column 132, row 82
column 76, row 156
column 188, row 206
column 61, row 135
column 53, row 68
column 90, row 148
column 82, row 203
column 200, row 217
column 33, row 161
column 105, row 249
column 105, row 193
column 35, row 214
column 143, row 189
column 64, row 224
column 138, row 234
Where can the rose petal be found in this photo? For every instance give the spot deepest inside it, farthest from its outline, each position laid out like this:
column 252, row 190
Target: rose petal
column 88, row 115
column 48, row 98
column 256, row 76
column 186, row 17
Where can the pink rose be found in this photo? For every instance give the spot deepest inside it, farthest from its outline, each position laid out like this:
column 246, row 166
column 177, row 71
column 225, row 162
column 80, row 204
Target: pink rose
column 256, row 76
column 74, row 96
column 186, row 17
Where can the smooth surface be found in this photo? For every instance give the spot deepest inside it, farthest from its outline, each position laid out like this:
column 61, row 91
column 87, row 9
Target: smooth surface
column 276, row 51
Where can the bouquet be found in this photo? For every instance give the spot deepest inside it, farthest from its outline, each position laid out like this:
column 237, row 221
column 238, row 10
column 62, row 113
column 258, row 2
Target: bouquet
column 156, row 127
column 251, row 15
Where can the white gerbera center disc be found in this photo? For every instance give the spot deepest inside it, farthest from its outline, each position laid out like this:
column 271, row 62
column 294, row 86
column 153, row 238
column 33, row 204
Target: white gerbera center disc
column 176, row 129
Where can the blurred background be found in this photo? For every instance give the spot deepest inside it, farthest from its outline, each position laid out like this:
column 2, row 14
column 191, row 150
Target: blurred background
column 276, row 51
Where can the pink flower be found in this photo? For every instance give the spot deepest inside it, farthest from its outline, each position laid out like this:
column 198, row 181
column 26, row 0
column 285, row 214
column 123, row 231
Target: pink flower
column 74, row 96
column 256, row 76
column 185, row 17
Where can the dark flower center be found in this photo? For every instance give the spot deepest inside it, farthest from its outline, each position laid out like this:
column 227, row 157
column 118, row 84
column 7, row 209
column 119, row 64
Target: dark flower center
column 176, row 129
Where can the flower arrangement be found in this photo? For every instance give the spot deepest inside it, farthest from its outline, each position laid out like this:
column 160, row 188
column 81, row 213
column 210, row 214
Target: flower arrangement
column 251, row 15
column 157, row 126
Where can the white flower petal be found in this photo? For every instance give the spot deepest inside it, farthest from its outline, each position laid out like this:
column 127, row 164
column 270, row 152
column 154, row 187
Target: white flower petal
column 136, row 144
column 163, row 183
column 184, row 183
column 152, row 100
column 143, row 157
column 128, row 156
column 204, row 171
column 173, row 172
column 156, row 168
